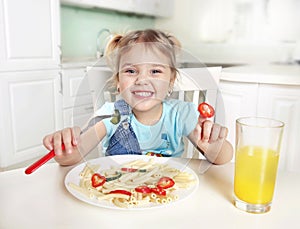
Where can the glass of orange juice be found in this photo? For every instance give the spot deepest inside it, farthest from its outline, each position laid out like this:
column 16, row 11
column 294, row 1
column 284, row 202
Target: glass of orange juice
column 257, row 149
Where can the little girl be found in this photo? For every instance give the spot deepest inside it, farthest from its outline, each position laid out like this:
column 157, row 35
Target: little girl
column 144, row 67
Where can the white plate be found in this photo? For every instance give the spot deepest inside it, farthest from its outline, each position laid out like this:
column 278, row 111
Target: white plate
column 107, row 162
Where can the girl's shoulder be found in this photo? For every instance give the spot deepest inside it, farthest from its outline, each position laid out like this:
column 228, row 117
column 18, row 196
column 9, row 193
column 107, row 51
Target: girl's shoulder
column 180, row 109
column 178, row 104
column 182, row 115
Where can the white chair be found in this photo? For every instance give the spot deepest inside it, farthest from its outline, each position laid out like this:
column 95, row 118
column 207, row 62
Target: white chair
column 197, row 85
column 193, row 84
column 97, row 80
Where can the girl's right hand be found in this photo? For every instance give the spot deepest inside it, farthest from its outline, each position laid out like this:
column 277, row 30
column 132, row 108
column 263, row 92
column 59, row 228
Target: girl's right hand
column 68, row 137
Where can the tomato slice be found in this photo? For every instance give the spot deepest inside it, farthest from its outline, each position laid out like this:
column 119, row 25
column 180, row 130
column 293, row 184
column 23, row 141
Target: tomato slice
column 159, row 191
column 165, row 182
column 120, row 191
column 143, row 189
column 206, row 110
column 97, row 180
column 129, row 170
column 154, row 154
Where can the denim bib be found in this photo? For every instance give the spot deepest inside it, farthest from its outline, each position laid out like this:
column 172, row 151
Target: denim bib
column 124, row 140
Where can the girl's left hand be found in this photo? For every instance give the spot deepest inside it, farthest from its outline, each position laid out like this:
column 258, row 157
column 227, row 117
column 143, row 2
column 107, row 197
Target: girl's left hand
column 210, row 132
column 209, row 138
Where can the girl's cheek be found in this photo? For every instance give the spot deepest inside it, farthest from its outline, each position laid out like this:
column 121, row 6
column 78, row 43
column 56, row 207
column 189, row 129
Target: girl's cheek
column 124, row 84
column 124, row 87
column 162, row 87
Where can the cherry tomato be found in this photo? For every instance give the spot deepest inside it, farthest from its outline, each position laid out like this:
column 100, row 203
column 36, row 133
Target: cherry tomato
column 159, row 191
column 143, row 189
column 206, row 110
column 120, row 191
column 97, row 180
column 165, row 182
column 154, row 154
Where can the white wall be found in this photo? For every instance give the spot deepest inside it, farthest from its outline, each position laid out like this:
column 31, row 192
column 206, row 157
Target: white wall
column 236, row 31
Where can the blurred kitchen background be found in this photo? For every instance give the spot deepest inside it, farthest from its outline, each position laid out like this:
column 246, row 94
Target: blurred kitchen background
column 216, row 31
column 46, row 45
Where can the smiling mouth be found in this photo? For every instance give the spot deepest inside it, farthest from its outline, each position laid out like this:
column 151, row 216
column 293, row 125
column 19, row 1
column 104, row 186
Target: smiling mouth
column 143, row 94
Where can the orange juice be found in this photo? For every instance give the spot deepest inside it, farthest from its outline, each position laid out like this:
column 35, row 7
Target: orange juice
column 255, row 174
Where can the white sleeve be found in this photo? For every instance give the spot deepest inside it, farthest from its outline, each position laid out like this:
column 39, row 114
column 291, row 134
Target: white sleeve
column 106, row 109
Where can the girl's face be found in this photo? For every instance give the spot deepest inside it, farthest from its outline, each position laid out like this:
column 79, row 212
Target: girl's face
column 144, row 86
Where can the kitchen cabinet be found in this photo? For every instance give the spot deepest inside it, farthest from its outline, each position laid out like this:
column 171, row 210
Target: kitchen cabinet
column 78, row 106
column 31, row 108
column 272, row 92
column 29, row 35
column 283, row 103
column 77, row 100
column 156, row 8
column 235, row 103
column 30, row 82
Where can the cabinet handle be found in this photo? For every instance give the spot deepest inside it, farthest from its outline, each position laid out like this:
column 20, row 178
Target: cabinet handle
column 61, row 91
column 91, row 108
column 60, row 53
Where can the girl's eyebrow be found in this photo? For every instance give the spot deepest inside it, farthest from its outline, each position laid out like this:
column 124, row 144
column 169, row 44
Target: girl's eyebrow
column 159, row 65
column 133, row 65
column 126, row 65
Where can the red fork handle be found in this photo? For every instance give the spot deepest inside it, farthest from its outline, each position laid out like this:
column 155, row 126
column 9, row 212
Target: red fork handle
column 41, row 161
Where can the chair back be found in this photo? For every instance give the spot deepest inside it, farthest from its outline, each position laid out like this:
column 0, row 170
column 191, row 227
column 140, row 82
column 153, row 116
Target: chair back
column 197, row 85
column 192, row 84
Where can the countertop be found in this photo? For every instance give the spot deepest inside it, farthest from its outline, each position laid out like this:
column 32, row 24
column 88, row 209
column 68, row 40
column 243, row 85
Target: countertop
column 282, row 74
column 272, row 73
column 81, row 62
column 40, row 200
column 91, row 61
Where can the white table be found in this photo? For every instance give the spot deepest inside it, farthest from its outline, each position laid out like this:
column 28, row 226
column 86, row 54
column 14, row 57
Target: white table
column 40, row 200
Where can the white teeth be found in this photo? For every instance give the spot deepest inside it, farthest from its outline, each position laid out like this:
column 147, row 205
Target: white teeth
column 143, row 94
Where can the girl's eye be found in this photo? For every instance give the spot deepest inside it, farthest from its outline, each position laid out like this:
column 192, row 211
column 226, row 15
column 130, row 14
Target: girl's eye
column 130, row 71
column 156, row 71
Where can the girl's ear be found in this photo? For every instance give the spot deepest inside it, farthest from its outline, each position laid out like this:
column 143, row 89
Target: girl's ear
column 118, row 86
column 173, row 77
column 172, row 81
column 171, row 84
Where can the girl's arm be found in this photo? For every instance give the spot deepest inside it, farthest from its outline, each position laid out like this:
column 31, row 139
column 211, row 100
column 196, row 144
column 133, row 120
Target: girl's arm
column 210, row 140
column 76, row 145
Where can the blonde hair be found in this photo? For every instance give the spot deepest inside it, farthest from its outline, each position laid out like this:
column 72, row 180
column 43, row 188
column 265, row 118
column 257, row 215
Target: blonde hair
column 167, row 43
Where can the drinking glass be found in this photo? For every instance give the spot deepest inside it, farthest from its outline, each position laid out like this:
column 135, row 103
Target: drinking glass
column 257, row 149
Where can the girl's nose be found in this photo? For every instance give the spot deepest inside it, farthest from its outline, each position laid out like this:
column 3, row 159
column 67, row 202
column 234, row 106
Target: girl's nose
column 142, row 77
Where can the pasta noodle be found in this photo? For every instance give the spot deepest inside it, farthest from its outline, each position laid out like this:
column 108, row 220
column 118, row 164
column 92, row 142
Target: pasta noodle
column 120, row 187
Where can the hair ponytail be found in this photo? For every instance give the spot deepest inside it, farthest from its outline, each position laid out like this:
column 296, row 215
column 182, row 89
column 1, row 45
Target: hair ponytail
column 113, row 44
column 174, row 41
